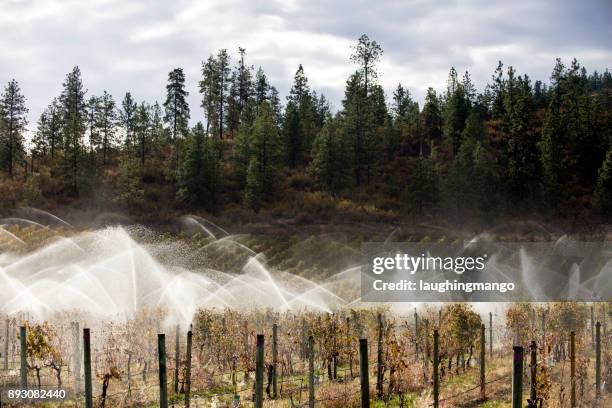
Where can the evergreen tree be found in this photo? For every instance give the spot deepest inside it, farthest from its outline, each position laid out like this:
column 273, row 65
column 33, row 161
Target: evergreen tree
column 468, row 188
column 223, row 73
column 359, row 125
column 40, row 141
column 422, row 186
column 519, row 153
column 331, row 162
column 53, row 134
column 176, row 107
column 142, row 131
column 322, row 110
column 262, row 87
column 266, row 155
column 366, row 54
column 300, row 115
column 406, row 128
column 209, row 92
column 93, row 122
column 129, row 185
column 497, row 91
column 456, row 110
column 241, row 153
column 244, row 80
column 127, row 119
column 76, row 170
column 603, row 189
column 158, row 133
column 13, row 113
column 233, row 104
column 571, row 146
column 108, row 123
column 432, row 118
column 199, row 174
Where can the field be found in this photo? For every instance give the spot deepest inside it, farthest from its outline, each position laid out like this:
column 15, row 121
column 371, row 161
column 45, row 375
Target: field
column 223, row 367
column 287, row 289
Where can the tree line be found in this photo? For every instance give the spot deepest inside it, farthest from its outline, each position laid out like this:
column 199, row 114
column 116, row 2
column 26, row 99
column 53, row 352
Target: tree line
column 517, row 145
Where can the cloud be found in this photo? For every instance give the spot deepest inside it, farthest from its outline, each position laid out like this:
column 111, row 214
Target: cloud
column 131, row 46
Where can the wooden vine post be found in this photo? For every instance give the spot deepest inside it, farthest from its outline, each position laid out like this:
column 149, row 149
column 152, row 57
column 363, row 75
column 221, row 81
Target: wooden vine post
column 163, row 379
column 259, row 371
column 482, row 362
column 436, row 372
column 188, row 368
column 23, row 368
column 311, row 389
column 517, row 377
column 573, row 368
column 87, row 367
column 363, row 373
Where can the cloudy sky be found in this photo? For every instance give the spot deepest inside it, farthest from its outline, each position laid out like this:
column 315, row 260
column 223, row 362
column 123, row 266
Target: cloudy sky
column 124, row 45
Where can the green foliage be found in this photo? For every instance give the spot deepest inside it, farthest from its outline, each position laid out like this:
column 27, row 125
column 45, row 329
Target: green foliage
column 130, row 190
column 199, row 174
column 465, row 151
column 603, row 190
column 265, row 159
column 300, row 119
column 13, row 121
column 422, row 187
column 32, row 193
column 469, row 187
column 331, row 160
column 456, row 111
column 73, row 170
column 176, row 107
column 359, row 125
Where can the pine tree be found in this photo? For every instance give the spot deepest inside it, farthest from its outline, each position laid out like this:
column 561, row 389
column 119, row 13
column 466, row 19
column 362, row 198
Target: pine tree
column 93, row 122
column 331, row 162
column 432, row 118
column 366, row 54
column 40, row 141
column 199, row 174
column 13, row 113
column 127, row 119
column 47, row 138
column 300, row 116
column 244, row 78
column 468, row 188
column 497, row 91
column 241, row 154
column 233, row 104
column 142, row 131
column 422, row 186
column 209, row 92
column 456, row 110
column 603, row 189
column 520, row 153
column 266, row 155
column 262, row 87
column 53, row 134
column 129, row 185
column 108, row 123
column 358, row 124
column 158, row 133
column 223, row 73
column 76, row 172
column 176, row 107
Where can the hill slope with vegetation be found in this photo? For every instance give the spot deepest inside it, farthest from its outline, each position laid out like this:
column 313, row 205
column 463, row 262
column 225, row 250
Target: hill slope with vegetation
column 518, row 148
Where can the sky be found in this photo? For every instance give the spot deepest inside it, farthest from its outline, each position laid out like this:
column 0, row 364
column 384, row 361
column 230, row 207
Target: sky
column 123, row 45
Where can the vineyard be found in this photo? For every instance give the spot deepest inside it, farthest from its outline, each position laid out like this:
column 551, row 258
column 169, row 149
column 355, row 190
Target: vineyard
column 450, row 356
